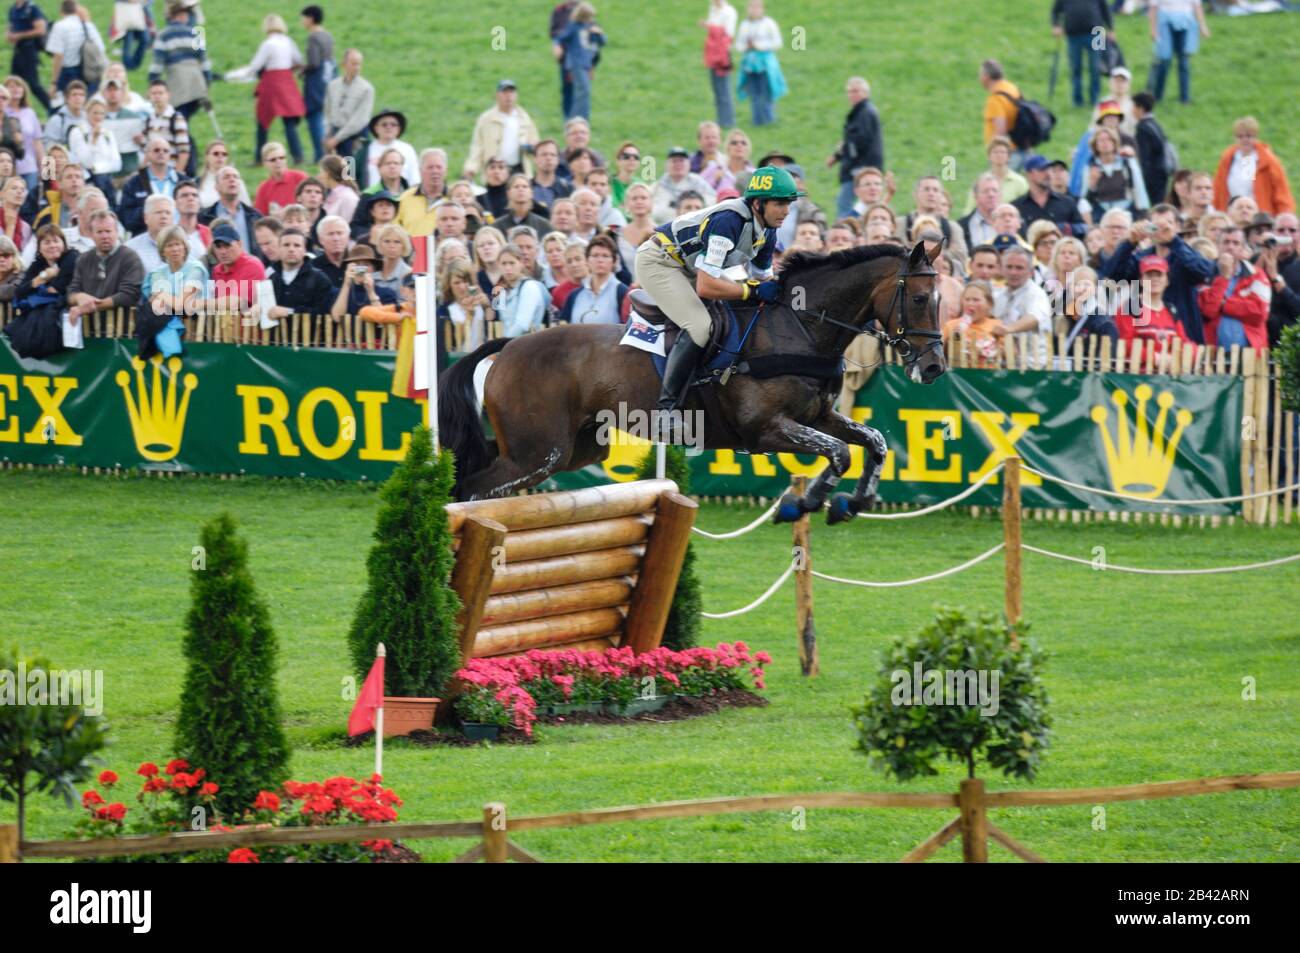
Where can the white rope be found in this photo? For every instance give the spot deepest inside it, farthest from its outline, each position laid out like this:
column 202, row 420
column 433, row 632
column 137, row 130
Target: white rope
column 1162, row 572
column 757, row 602
column 912, row 582
column 942, row 505
column 762, row 518
column 1132, row 496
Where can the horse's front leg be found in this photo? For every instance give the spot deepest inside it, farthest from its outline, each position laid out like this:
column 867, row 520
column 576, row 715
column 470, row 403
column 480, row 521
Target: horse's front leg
column 844, row 507
column 785, row 435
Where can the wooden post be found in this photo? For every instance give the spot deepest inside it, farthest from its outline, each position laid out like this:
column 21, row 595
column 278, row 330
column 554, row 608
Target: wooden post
column 662, row 564
column 496, row 849
column 8, row 843
column 482, row 541
column 974, row 822
column 1011, row 540
column 809, row 663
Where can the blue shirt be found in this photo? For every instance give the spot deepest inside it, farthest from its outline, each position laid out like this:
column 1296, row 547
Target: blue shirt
column 580, row 45
column 164, row 186
column 693, row 240
column 22, row 17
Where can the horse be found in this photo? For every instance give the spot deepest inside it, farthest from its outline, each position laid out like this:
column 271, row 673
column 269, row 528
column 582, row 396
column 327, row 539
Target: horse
column 546, row 394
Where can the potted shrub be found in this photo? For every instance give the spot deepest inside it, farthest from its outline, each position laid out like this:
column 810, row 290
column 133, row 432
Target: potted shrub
column 481, row 714
column 409, row 604
column 920, row 705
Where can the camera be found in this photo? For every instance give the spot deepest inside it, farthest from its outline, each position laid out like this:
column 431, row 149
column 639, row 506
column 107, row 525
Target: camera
column 1152, row 228
column 360, row 271
column 1272, row 241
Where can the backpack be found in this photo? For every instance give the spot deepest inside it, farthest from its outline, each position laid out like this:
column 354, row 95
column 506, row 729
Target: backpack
column 93, row 60
column 1034, row 122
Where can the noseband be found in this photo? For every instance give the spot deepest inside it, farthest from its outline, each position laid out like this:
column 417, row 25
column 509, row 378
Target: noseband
column 899, row 339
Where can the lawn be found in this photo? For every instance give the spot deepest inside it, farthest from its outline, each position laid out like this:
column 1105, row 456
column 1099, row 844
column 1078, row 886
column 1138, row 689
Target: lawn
column 440, row 63
column 1145, row 675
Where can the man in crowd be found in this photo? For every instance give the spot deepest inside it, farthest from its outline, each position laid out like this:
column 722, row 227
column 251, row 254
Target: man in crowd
column 1006, row 219
column 316, row 73
column 166, row 121
column 1152, row 146
column 505, row 131
column 547, row 184
column 109, row 277
column 598, row 182
column 929, row 198
column 520, row 209
column 159, row 213
column 587, row 203
column 559, row 21
column 266, row 236
column 332, row 232
column 1000, row 107
column 126, row 124
column 493, row 197
column 1040, row 202
column 1235, row 305
column 349, row 102
column 862, row 143
column 978, row 227
column 82, row 239
column 417, row 206
column 186, row 197
column 26, row 33
column 156, row 177
column 72, row 114
column 180, row 59
column 577, row 135
column 70, row 184
column 1281, row 264
column 1158, row 235
column 236, row 274
column 228, row 206
column 678, row 179
column 1116, row 225
column 1021, row 305
column 450, row 221
column 1078, row 21
column 280, row 187
column 872, row 187
column 299, row 288
column 985, row 264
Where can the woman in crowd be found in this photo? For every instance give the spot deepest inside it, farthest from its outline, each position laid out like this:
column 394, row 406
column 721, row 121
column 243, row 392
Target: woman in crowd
column 278, row 96
column 1176, row 30
column 387, row 128
column 554, row 270
column 310, row 194
column 342, row 196
column 388, row 175
column 173, row 290
column 462, row 193
column 976, row 324
column 1094, row 241
column 599, row 299
column 449, row 250
column 394, row 247
column 20, row 108
column 1251, row 168
column 1067, row 255
column 639, row 203
column 1012, row 182
column 13, row 193
column 737, row 163
column 1211, row 226
column 487, row 250
column 881, row 216
column 1180, row 189
column 626, row 169
column 575, row 269
column 50, row 272
column 374, row 212
column 520, row 302
column 215, row 157
column 580, row 163
column 11, row 272
column 757, row 39
column 951, row 284
column 1043, row 236
column 96, row 150
column 41, row 295
column 1082, row 308
column 463, row 303
column 1114, row 180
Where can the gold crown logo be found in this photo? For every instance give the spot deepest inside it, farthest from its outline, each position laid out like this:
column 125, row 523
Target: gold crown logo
column 1141, row 463
column 156, row 422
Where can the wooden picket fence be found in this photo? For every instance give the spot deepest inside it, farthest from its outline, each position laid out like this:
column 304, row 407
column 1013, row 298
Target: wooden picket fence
column 971, row 800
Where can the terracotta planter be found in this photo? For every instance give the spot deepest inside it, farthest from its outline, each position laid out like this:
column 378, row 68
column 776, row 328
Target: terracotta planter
column 405, row 715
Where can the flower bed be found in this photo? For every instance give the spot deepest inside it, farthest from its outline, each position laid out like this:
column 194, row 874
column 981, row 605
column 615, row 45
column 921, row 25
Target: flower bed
column 514, row 690
column 178, row 798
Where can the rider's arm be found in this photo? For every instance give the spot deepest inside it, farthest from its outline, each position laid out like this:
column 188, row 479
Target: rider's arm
column 718, row 289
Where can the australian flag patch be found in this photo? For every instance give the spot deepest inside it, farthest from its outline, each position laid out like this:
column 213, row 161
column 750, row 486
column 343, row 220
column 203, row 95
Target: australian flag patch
column 643, row 335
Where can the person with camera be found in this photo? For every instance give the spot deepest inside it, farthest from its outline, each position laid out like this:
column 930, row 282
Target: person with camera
column 1235, row 305
column 359, row 288
column 1281, row 264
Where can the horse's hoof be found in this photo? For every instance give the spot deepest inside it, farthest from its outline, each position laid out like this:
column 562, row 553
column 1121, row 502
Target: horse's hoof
column 842, row 509
column 789, row 509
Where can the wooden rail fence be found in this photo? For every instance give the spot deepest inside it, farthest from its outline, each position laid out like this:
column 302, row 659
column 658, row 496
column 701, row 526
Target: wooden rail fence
column 495, row 846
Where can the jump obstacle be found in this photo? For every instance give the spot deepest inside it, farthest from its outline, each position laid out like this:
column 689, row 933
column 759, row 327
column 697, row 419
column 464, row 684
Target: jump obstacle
column 583, row 569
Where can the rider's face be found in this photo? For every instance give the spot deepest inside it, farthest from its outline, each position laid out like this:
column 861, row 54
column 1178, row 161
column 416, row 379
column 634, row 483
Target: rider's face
column 775, row 211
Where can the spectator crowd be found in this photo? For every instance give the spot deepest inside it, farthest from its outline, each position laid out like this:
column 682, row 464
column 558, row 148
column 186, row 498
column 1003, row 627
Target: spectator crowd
column 112, row 201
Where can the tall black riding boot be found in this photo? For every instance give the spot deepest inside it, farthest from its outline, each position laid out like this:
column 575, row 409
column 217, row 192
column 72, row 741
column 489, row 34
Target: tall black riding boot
column 682, row 361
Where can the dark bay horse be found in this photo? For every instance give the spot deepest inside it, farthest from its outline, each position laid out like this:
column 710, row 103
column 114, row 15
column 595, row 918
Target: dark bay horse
column 546, row 393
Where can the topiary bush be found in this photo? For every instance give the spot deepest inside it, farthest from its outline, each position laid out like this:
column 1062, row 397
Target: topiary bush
column 409, row 604
column 1287, row 356
column 683, row 628
column 229, row 718
column 906, row 722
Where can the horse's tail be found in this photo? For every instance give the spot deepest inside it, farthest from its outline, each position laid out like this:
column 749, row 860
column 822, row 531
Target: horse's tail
column 460, row 428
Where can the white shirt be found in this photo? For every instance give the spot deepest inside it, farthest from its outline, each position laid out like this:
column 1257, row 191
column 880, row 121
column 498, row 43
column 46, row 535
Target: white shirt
column 1241, row 176
column 510, row 137
column 765, row 34
column 723, row 16
column 410, row 161
column 67, row 37
column 1029, row 300
column 101, row 157
column 277, row 51
column 1176, row 6
column 145, row 246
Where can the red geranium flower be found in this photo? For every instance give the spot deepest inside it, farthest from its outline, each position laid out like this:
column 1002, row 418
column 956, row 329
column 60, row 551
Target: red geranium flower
column 242, row 855
column 112, row 812
column 154, row 785
column 107, row 778
column 266, row 801
column 209, row 790
column 379, row 845
column 148, row 769
column 177, row 764
column 91, row 798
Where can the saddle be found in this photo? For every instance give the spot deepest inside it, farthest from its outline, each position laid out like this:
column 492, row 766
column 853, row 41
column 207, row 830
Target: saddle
column 722, row 327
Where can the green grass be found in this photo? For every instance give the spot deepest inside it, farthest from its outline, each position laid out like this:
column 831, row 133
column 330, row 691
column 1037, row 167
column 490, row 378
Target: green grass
column 439, row 64
column 1145, row 675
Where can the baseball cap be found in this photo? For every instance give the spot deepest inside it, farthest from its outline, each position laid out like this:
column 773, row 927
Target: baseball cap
column 725, row 194
column 1059, row 162
column 1005, row 241
column 1036, row 163
column 1108, row 107
column 678, row 151
column 225, row 234
column 795, row 169
column 506, row 84
column 1153, row 263
column 1121, row 71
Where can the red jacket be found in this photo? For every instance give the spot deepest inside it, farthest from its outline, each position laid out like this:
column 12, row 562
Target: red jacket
column 717, row 50
column 1249, row 304
column 1155, row 328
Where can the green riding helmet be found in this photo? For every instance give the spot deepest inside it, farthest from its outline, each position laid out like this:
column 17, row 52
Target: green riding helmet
column 772, row 182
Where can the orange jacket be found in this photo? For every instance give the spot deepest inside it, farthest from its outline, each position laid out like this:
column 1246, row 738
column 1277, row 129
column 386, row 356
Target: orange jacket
column 1272, row 194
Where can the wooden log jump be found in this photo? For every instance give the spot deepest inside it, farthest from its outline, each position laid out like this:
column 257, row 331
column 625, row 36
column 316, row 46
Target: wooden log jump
column 581, row 569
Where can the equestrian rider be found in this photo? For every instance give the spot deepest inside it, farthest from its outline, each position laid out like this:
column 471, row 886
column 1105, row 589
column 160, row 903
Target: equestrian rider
column 683, row 261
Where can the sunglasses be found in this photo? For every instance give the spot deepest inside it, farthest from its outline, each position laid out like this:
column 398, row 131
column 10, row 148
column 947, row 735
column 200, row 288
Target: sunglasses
column 629, row 155
column 221, row 155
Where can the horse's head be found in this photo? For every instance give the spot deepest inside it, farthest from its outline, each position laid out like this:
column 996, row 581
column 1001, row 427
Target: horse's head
column 907, row 309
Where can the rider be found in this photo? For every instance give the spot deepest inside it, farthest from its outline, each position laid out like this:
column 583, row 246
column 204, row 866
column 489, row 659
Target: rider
column 683, row 261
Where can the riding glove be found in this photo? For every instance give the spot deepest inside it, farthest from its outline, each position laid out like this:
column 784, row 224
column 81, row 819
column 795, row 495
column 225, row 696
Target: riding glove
column 768, row 290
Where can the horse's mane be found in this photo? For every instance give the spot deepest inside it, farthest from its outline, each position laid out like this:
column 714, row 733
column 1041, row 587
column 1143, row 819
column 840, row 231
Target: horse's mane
column 802, row 261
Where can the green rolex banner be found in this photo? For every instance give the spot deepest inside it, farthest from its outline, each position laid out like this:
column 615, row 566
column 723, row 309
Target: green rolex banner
column 331, row 414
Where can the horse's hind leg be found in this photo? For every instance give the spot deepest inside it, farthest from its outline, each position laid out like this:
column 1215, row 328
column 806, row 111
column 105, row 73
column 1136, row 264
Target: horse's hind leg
column 506, row 476
column 845, row 507
column 788, row 436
